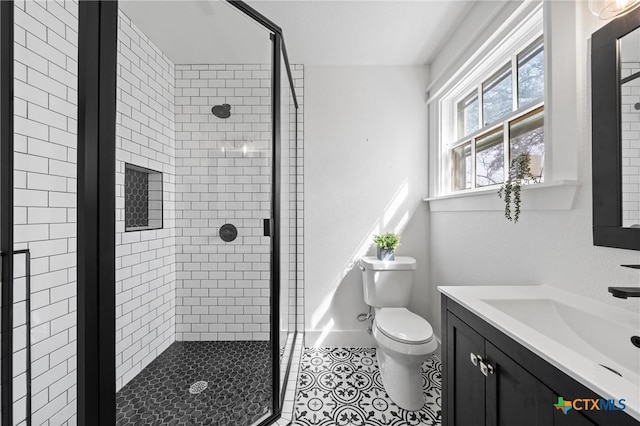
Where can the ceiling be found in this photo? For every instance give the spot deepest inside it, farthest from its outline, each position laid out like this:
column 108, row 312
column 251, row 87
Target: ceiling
column 316, row 32
column 200, row 32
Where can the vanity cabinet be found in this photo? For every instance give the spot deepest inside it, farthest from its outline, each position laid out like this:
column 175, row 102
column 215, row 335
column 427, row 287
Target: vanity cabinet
column 489, row 385
column 490, row 379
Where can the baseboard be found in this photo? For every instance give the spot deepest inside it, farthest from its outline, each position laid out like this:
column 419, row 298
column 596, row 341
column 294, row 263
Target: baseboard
column 338, row 339
column 346, row 339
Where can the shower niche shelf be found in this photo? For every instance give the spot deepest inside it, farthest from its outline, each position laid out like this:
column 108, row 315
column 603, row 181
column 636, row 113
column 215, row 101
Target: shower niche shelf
column 142, row 198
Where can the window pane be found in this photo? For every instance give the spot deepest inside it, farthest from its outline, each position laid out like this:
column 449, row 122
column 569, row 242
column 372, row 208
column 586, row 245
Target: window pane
column 497, row 96
column 526, row 134
column 468, row 115
column 462, row 167
column 490, row 159
column 531, row 74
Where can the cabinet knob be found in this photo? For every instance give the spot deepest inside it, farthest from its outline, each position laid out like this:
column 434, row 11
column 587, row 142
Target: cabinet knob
column 487, row 369
column 475, row 359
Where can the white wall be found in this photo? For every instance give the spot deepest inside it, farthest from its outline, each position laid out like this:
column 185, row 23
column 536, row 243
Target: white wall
column 365, row 173
column 145, row 260
column 482, row 19
column 545, row 247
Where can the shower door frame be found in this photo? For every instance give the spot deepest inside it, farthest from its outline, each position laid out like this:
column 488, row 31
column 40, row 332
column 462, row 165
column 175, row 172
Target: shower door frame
column 6, row 207
column 97, row 59
column 97, row 77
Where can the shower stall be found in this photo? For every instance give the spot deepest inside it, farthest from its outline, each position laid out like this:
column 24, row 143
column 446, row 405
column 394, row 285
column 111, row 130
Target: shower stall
column 205, row 294
column 152, row 173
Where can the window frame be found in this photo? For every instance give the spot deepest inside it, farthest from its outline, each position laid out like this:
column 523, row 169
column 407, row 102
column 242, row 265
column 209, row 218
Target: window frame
column 493, row 80
column 528, row 37
column 503, row 123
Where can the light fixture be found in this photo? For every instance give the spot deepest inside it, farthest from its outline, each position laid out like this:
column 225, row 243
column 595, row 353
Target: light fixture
column 608, row 9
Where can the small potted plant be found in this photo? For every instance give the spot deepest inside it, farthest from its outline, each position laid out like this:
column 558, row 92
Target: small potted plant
column 386, row 244
column 520, row 173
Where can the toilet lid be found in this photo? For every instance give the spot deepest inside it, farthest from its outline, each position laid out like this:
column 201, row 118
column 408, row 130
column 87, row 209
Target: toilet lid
column 404, row 326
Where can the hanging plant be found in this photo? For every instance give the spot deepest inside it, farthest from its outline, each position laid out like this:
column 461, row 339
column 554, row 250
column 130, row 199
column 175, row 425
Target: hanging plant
column 519, row 174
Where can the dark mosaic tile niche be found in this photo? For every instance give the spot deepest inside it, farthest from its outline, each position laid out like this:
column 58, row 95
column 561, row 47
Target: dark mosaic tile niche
column 143, row 198
column 238, row 375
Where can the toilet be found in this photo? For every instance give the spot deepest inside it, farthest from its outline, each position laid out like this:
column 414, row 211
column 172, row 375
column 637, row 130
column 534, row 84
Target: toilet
column 405, row 340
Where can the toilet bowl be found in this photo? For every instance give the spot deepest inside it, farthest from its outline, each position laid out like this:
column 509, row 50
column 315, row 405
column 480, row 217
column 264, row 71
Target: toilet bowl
column 405, row 340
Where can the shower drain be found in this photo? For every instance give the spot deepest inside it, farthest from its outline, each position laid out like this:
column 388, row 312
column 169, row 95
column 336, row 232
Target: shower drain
column 198, row 387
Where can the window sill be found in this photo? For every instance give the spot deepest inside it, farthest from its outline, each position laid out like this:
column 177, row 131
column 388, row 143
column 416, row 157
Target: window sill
column 559, row 195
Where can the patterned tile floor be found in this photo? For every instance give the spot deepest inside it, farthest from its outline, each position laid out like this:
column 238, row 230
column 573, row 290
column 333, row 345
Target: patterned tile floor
column 238, row 375
column 343, row 387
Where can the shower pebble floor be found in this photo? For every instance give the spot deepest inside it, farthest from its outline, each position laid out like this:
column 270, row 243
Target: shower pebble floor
column 238, row 390
column 342, row 386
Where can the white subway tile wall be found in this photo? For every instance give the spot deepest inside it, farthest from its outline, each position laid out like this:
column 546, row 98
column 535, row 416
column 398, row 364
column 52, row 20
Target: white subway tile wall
column 46, row 55
column 224, row 176
column 292, row 193
column 297, row 73
column 145, row 260
column 630, row 146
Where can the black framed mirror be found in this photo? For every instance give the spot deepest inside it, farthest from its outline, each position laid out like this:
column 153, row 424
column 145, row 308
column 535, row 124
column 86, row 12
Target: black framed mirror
column 615, row 91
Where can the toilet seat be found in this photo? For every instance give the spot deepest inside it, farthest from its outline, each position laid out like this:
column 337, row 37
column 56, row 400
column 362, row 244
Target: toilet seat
column 403, row 326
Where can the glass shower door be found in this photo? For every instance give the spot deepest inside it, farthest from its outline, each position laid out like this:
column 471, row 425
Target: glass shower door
column 289, row 223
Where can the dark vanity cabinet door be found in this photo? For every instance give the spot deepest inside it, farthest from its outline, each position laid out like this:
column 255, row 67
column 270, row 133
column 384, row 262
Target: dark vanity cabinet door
column 514, row 396
column 574, row 419
column 465, row 383
column 507, row 396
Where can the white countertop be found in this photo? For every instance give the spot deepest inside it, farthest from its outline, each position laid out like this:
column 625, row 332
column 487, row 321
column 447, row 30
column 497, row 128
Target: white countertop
column 559, row 352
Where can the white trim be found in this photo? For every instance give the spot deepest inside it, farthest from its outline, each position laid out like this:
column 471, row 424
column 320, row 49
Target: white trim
column 339, row 339
column 511, row 27
column 518, row 32
column 541, row 196
column 352, row 339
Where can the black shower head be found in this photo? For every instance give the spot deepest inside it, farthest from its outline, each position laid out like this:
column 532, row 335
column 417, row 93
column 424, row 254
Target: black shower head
column 222, row 111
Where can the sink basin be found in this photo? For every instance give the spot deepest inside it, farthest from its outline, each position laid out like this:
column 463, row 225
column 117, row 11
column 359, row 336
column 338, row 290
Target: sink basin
column 602, row 340
column 588, row 340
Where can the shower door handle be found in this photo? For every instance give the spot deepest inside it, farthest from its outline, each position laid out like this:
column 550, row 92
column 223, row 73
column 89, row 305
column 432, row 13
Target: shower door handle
column 27, row 314
column 266, row 227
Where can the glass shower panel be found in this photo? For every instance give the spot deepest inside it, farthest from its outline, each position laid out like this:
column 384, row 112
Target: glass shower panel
column 288, row 221
column 193, row 332
column 45, row 117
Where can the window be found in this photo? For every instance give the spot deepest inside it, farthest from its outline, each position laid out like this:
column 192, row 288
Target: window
column 143, row 198
column 496, row 117
column 497, row 96
column 469, row 120
column 531, row 75
column 490, row 158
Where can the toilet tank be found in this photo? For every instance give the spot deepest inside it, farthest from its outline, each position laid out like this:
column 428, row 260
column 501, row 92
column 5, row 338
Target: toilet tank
column 387, row 283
